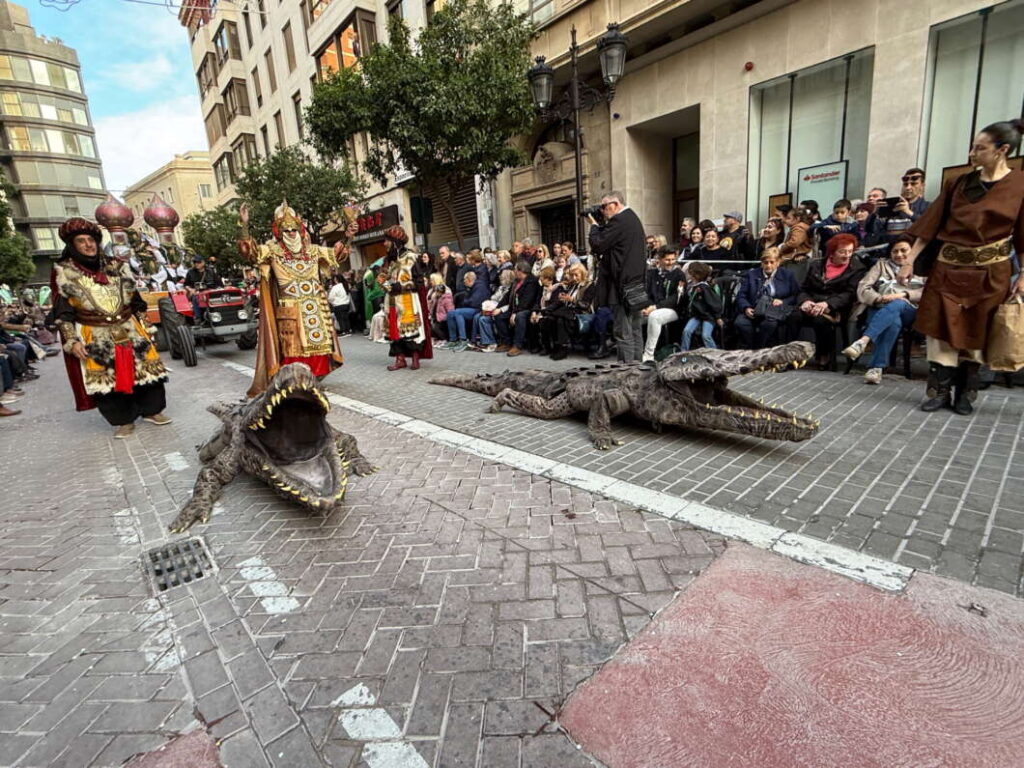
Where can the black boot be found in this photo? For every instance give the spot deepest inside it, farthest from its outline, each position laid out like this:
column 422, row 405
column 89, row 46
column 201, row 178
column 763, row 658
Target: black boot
column 603, row 350
column 968, row 379
column 940, row 382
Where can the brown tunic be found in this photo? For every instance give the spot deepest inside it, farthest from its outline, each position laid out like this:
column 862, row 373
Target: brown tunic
column 959, row 302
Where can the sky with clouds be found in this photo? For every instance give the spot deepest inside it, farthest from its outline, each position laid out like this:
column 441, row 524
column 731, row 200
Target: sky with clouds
column 137, row 72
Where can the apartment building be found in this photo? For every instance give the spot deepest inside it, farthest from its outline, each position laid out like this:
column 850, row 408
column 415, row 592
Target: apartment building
column 186, row 183
column 256, row 63
column 49, row 149
column 744, row 104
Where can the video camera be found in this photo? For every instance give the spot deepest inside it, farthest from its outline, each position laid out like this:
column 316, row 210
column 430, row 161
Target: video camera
column 595, row 212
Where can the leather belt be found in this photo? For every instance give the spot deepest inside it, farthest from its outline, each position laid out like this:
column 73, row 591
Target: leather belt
column 982, row 255
column 98, row 318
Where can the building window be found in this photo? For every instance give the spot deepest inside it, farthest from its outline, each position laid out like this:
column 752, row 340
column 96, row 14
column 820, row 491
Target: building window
column 46, row 238
column 809, row 118
column 51, row 140
column 343, row 49
column 248, row 26
column 305, row 25
column 40, row 72
column 266, row 140
column 958, row 103
column 244, row 150
column 395, row 9
column 43, row 106
column 204, row 191
column 279, row 127
column 537, row 10
column 207, row 75
column 289, row 46
column 297, row 106
column 268, row 58
column 261, row 7
column 226, row 42
column 428, row 10
column 316, row 7
column 236, row 99
column 216, row 126
column 224, row 171
column 257, row 90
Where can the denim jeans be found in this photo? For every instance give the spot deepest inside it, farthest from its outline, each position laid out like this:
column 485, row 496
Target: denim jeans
column 483, row 329
column 628, row 329
column 706, row 329
column 516, row 333
column 884, row 326
column 457, row 322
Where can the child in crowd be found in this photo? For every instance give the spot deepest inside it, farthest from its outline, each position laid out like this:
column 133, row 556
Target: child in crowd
column 841, row 220
column 705, row 305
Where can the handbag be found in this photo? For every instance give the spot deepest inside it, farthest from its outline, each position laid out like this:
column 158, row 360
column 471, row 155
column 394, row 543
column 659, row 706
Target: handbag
column 927, row 257
column 634, row 296
column 1005, row 349
column 764, row 303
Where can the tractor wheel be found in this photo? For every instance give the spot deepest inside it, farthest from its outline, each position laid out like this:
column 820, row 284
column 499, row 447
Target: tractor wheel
column 188, row 346
column 160, row 339
column 170, row 321
column 247, row 340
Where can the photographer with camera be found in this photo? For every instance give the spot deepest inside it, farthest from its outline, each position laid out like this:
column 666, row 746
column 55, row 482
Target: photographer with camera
column 617, row 238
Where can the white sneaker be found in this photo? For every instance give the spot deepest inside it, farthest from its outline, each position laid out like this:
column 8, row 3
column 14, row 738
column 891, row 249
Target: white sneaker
column 855, row 350
column 873, row 376
column 487, row 348
column 647, row 358
column 10, row 398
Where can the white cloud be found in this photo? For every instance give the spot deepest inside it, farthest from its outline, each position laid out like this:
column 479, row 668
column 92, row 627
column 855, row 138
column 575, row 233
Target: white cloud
column 134, row 144
column 141, row 77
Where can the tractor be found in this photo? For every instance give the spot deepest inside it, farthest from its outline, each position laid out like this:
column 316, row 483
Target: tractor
column 227, row 315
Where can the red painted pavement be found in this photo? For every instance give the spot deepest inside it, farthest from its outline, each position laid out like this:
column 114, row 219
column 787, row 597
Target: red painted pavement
column 769, row 663
column 193, row 750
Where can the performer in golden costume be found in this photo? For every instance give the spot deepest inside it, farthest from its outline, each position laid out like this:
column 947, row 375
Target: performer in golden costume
column 405, row 302
column 111, row 362
column 296, row 324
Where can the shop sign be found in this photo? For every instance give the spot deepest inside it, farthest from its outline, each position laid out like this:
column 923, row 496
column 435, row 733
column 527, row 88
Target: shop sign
column 372, row 225
column 824, row 183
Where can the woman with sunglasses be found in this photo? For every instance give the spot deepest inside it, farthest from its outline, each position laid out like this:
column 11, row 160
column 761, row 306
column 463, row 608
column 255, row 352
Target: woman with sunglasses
column 977, row 222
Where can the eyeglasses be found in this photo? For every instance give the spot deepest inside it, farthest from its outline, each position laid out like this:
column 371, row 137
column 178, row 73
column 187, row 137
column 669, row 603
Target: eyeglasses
column 909, row 179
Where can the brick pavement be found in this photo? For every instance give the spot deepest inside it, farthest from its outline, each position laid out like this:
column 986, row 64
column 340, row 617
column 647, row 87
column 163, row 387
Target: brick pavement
column 934, row 492
column 468, row 598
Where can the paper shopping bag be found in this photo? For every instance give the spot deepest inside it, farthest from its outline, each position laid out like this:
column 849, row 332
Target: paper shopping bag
column 1005, row 350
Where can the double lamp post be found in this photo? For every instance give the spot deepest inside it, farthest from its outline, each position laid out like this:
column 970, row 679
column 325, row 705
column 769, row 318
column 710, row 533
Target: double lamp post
column 611, row 48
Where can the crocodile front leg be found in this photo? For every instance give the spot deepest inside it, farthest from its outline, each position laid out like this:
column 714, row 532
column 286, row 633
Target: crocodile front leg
column 533, row 405
column 212, row 478
column 605, row 407
column 348, row 450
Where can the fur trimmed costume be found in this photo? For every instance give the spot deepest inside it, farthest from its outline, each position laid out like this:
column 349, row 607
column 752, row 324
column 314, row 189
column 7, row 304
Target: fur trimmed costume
column 405, row 303
column 96, row 303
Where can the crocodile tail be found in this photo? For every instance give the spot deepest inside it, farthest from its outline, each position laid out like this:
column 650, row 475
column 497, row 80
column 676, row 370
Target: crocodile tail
column 487, row 383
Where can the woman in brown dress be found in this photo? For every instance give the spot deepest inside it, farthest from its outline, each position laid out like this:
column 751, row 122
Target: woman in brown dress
column 978, row 220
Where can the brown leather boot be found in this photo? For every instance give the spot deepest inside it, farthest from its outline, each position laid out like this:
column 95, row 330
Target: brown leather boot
column 415, row 361
column 398, row 364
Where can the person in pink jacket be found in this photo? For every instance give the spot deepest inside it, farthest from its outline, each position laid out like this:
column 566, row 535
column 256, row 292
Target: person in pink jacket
column 439, row 303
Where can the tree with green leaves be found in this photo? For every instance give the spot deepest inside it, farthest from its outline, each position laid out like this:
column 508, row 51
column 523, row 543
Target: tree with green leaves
column 215, row 233
column 16, row 264
column 444, row 109
column 316, row 191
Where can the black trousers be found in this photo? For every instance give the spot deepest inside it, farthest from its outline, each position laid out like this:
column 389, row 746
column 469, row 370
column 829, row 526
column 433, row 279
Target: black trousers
column 341, row 315
column 119, row 409
column 405, row 347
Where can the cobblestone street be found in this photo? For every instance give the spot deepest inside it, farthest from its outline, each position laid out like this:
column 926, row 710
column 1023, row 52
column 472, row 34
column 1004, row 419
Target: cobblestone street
column 453, row 603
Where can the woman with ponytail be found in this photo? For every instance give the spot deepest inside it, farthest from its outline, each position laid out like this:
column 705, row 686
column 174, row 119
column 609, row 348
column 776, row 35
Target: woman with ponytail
column 964, row 245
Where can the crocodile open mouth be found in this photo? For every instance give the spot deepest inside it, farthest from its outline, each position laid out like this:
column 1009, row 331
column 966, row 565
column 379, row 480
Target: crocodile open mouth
column 288, row 429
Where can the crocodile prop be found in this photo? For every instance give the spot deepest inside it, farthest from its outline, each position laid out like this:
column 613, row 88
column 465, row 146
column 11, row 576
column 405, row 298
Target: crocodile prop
column 688, row 389
column 281, row 437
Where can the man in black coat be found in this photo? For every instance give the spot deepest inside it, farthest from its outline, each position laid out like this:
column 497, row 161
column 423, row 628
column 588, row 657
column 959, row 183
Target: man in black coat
column 619, row 243
column 523, row 300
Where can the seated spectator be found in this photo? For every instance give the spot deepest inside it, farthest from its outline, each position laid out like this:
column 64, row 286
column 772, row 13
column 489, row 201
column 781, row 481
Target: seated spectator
column 811, row 206
column 685, row 227
column 664, row 288
column 476, row 293
column 542, row 260
column 483, row 335
column 773, row 234
column 8, row 392
column 713, row 250
column 694, row 246
column 455, row 273
column 766, row 297
column 549, row 290
column 827, row 296
column 891, row 308
column 439, row 304
column 423, row 269
column 571, row 313
column 839, row 221
column 561, row 262
column 796, row 249
column 870, row 229
column 704, row 304
column 735, row 238
column 524, row 298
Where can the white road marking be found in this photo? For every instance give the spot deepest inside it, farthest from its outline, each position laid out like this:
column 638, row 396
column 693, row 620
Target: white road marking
column 875, row 571
column 363, row 721
column 176, row 461
column 263, row 584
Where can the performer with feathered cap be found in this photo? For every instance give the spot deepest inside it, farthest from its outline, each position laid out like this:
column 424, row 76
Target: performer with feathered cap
column 111, row 361
column 405, row 302
column 296, row 324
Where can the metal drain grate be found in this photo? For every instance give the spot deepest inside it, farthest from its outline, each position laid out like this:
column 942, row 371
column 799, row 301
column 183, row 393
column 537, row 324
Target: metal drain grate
column 182, row 562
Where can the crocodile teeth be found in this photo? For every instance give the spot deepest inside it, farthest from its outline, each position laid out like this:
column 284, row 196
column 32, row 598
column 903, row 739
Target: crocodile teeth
column 303, row 498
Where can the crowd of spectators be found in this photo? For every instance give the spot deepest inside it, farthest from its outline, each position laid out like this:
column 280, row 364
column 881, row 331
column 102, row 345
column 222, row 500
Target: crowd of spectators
column 24, row 342
column 720, row 284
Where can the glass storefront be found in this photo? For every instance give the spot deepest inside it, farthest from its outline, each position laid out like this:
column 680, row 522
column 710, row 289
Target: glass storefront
column 974, row 79
column 808, row 118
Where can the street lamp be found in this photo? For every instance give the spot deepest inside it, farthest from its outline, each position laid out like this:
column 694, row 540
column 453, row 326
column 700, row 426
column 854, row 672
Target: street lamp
column 611, row 50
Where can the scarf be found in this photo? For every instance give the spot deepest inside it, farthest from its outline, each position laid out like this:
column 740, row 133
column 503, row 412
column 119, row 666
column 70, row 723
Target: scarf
column 91, row 266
